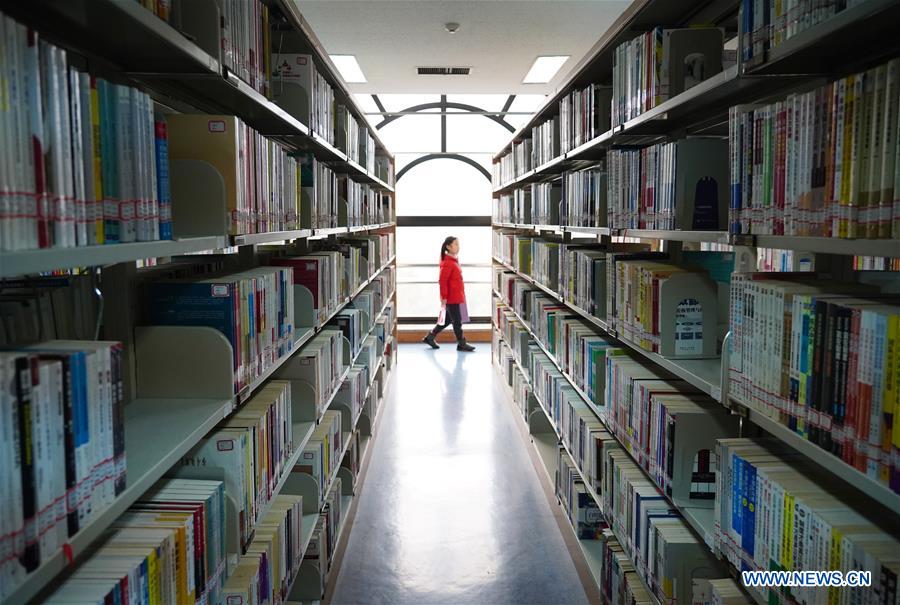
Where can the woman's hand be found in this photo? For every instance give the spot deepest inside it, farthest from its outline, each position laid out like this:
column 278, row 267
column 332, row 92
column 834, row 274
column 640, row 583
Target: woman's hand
column 443, row 302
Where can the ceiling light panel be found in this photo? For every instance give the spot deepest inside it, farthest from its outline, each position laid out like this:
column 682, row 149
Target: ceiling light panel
column 544, row 68
column 349, row 68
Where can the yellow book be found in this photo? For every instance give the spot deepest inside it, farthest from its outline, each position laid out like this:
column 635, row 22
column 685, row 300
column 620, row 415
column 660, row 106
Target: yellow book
column 891, row 433
column 99, row 224
column 216, row 140
column 787, row 536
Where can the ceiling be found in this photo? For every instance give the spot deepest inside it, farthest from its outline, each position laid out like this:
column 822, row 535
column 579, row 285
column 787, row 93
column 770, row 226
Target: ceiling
column 498, row 39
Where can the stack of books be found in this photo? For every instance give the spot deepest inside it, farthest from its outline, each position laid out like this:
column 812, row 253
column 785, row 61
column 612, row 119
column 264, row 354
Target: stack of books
column 169, row 547
column 321, row 456
column 262, row 182
column 828, row 369
column 266, row 572
column 661, row 64
column 84, row 160
column 320, row 363
column 774, row 512
column 251, row 448
column 584, row 197
column 64, row 445
column 322, row 273
column 260, row 331
column 303, row 92
column 822, row 163
column 584, row 115
column 677, row 185
column 545, row 141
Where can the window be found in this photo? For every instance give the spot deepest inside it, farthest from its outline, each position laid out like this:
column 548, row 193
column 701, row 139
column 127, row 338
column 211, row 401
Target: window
column 442, row 171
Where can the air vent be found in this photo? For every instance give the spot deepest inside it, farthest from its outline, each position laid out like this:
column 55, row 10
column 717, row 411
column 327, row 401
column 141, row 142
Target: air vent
column 444, row 71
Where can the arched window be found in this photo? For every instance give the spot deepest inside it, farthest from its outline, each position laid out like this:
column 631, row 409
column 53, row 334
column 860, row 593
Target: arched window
column 443, row 146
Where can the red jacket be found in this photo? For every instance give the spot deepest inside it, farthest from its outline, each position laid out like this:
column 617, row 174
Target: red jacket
column 451, row 281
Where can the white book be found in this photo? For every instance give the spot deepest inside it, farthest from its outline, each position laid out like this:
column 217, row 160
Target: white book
column 76, row 113
column 125, row 163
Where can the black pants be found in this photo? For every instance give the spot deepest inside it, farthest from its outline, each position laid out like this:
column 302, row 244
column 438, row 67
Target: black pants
column 452, row 316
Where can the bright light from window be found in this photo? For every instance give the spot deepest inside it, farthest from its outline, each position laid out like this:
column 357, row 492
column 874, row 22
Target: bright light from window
column 544, row 68
column 349, row 68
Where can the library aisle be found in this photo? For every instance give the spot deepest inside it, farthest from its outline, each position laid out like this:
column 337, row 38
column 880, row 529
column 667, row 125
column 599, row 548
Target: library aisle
column 420, row 534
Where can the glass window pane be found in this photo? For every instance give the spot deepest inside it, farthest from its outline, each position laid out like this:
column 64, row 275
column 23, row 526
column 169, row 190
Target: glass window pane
column 412, row 133
column 423, row 300
column 443, row 187
column 423, row 244
column 466, row 133
column 399, row 102
column 485, row 102
column 478, row 300
column 529, row 103
column 367, row 104
column 429, row 274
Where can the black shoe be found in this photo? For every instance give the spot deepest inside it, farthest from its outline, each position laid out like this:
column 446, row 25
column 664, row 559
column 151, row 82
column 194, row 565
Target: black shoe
column 429, row 340
column 462, row 345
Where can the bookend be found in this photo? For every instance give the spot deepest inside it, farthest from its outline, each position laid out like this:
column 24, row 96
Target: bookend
column 538, row 420
column 199, row 208
column 688, row 311
column 693, row 434
column 166, row 363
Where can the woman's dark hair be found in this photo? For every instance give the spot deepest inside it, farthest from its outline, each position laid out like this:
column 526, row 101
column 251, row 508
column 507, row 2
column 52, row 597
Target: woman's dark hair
column 449, row 240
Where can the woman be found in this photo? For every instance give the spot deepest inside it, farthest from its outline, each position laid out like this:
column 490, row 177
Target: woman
column 453, row 297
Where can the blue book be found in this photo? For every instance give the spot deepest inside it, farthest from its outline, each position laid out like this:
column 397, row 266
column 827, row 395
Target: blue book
column 736, row 509
column 163, row 191
column 193, row 304
column 748, row 530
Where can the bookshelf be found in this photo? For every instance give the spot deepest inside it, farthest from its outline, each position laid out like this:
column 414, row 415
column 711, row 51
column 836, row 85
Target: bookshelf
column 183, row 71
column 850, row 41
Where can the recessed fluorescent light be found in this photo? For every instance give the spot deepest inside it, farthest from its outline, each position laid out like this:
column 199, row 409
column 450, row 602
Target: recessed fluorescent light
column 544, row 68
column 349, row 68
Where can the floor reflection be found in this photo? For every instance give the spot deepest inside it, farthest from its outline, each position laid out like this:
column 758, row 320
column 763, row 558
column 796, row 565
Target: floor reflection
column 451, row 510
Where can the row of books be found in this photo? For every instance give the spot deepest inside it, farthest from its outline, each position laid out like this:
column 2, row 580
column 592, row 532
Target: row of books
column 661, row 547
column 545, row 141
column 823, row 163
column 576, row 347
column 664, row 307
column 322, row 455
column 514, row 164
column 584, row 115
column 63, row 445
column 584, row 197
column 660, row 64
column 353, row 391
column 262, row 182
column 775, row 512
column 765, row 27
column 169, row 547
column 323, row 274
column 254, row 309
column 828, row 366
column 245, row 47
column 299, row 88
column 576, row 500
column 545, row 202
column 251, row 448
column 669, row 428
column 513, row 207
column 84, row 160
column 323, row 545
column 320, row 364
column 266, row 572
column 354, row 138
column 676, row 185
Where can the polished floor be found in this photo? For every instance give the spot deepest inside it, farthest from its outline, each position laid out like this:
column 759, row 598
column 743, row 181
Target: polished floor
column 451, row 510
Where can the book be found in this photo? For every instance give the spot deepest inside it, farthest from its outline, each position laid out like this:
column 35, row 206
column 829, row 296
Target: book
column 678, row 185
column 818, row 163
